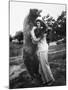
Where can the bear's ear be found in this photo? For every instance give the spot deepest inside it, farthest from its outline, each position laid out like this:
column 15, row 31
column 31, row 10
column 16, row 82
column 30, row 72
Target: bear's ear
column 30, row 10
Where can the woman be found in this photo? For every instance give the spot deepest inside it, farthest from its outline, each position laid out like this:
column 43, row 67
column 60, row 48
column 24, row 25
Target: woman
column 39, row 38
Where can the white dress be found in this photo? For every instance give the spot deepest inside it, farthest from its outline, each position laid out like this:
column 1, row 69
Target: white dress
column 44, row 68
column 42, row 53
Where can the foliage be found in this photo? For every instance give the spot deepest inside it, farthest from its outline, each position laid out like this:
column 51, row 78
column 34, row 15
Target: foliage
column 19, row 36
column 61, row 24
column 10, row 38
column 56, row 28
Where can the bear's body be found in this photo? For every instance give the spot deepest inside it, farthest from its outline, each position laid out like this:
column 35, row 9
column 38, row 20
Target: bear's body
column 29, row 49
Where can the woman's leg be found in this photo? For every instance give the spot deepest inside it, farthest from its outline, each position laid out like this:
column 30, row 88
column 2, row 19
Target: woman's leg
column 45, row 70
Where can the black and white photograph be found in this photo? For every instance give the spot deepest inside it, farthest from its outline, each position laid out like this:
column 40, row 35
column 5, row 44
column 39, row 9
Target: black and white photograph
column 37, row 44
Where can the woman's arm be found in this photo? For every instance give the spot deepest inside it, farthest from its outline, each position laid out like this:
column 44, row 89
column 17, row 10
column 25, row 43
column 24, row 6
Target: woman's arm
column 33, row 35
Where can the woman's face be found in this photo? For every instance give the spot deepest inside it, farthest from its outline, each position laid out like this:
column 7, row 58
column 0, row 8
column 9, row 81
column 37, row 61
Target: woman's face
column 38, row 24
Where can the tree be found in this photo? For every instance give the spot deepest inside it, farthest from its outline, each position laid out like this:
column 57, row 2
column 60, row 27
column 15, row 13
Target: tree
column 19, row 36
column 49, row 21
column 10, row 38
column 56, row 28
column 60, row 26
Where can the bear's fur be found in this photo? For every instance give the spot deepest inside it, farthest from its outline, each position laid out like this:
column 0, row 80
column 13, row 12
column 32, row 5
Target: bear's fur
column 29, row 49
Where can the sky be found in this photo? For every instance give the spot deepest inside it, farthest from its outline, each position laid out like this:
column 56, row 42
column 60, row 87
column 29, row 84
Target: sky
column 19, row 10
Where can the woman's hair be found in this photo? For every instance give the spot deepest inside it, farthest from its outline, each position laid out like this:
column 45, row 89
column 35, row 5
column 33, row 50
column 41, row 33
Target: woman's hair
column 42, row 30
column 42, row 24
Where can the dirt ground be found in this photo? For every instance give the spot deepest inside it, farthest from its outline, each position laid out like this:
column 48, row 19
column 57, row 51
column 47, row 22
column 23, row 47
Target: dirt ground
column 20, row 78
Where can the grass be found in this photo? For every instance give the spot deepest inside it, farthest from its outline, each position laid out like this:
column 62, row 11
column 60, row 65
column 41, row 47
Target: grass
column 15, row 49
column 19, row 76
